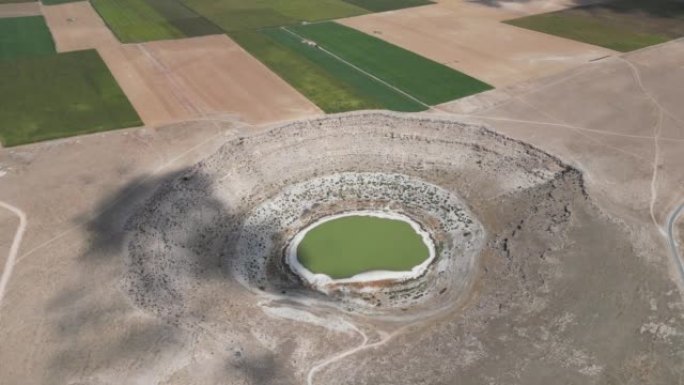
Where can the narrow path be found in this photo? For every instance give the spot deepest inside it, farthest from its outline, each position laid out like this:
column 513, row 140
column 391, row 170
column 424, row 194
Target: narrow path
column 14, row 248
column 657, row 128
column 346, row 353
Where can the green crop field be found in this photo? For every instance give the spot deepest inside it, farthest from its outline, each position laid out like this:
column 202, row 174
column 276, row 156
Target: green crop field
column 55, row 96
column 380, row 94
column 622, row 25
column 428, row 81
column 313, row 81
column 135, row 21
column 344, row 247
column 387, row 5
column 24, row 36
column 183, row 18
column 240, row 15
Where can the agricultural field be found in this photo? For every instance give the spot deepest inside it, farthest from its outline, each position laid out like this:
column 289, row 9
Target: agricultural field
column 380, row 94
column 183, row 18
column 24, row 36
column 341, row 69
column 347, row 246
column 424, row 80
column 57, row 2
column 623, row 25
column 61, row 95
column 387, row 5
column 135, row 21
column 318, row 85
column 238, row 15
column 272, row 31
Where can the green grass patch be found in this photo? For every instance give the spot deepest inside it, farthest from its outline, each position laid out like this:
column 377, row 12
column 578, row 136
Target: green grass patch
column 183, row 18
column 49, row 97
column 24, row 36
column 56, row 2
column 240, row 15
column 428, row 81
column 622, row 25
column 387, row 5
column 313, row 81
column 344, row 247
column 135, row 21
column 380, row 94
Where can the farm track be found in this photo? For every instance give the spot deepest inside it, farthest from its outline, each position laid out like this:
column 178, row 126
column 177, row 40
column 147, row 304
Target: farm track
column 14, row 248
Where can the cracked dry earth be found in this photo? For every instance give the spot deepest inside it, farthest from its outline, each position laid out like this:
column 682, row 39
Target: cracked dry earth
column 557, row 291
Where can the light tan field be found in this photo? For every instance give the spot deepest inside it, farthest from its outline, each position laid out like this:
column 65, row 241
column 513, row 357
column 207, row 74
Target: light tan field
column 19, row 9
column 198, row 77
column 469, row 37
column 178, row 80
column 76, row 26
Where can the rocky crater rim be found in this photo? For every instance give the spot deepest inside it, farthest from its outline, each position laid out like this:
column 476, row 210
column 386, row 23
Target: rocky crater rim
column 321, row 281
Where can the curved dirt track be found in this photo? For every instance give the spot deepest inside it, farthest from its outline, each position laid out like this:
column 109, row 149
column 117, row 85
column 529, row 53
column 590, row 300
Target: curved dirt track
column 14, row 248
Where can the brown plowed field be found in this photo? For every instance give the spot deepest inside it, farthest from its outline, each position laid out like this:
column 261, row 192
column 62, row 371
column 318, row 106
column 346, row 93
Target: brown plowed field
column 19, row 9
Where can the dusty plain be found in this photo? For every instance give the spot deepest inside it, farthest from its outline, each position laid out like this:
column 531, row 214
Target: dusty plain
column 575, row 283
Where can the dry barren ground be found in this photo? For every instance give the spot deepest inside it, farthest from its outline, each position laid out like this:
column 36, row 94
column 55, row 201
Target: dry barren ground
column 68, row 315
column 618, row 119
column 584, row 295
column 470, row 37
column 19, row 9
column 178, row 80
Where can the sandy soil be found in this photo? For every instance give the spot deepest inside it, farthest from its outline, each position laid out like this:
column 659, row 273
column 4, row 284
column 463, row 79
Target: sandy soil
column 471, row 39
column 178, row 80
column 19, row 9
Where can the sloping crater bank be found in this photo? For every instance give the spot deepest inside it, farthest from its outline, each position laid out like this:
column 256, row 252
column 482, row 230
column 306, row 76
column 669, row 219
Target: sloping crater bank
column 237, row 211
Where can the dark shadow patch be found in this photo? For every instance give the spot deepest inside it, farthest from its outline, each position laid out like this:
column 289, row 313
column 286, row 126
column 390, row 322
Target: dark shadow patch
column 106, row 227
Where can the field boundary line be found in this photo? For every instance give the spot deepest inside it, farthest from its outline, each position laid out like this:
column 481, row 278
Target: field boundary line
column 14, row 248
column 404, row 93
